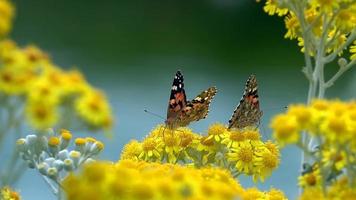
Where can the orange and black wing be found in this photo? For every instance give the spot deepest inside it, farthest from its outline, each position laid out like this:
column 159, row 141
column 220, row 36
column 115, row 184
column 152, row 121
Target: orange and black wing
column 177, row 99
column 247, row 112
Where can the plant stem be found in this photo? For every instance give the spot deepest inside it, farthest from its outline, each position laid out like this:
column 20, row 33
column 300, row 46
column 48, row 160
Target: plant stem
column 341, row 71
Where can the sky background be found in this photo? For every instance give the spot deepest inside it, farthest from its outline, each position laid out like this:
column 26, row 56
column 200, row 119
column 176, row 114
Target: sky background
column 132, row 48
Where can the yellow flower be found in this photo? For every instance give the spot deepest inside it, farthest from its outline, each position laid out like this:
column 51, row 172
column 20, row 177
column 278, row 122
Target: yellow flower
column 72, row 82
column 131, row 150
column 335, row 128
column 41, row 115
column 272, row 8
column 233, row 138
column 292, row 26
column 311, row 179
column 151, row 149
column 53, row 141
column 285, row 129
column 312, row 193
column 232, row 152
column 186, row 137
column 6, row 15
column 346, row 19
column 253, row 136
column 275, row 194
column 341, row 189
column 42, row 89
column 94, row 109
column 16, row 79
column 66, row 135
column 353, row 51
column 171, row 147
column 272, row 147
column 207, row 147
column 302, row 114
column 6, row 193
column 252, row 194
column 335, row 39
column 267, row 162
column 216, row 131
column 144, row 180
column 243, row 157
column 334, row 158
column 325, row 5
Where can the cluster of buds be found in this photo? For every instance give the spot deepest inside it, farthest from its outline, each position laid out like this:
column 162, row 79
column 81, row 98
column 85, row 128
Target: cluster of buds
column 49, row 153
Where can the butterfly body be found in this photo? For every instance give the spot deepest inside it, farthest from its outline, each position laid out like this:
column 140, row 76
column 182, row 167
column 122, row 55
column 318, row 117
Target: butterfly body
column 181, row 112
column 247, row 112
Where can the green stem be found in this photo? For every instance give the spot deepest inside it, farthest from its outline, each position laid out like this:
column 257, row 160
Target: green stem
column 341, row 71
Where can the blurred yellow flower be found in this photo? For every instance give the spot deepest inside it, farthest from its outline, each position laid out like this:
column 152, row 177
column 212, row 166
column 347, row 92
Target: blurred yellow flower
column 93, row 107
column 131, row 151
column 6, row 193
column 353, row 51
column 331, row 123
column 285, row 129
column 41, row 115
column 336, row 159
column 339, row 189
column 49, row 91
column 144, row 180
column 6, row 15
column 311, row 179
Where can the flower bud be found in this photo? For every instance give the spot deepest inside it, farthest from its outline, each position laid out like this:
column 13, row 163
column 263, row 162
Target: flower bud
column 21, row 145
column 96, row 148
column 31, row 140
column 58, row 164
column 342, row 62
column 75, row 156
column 68, row 164
column 53, row 145
column 66, row 136
column 49, row 161
column 80, row 144
column 52, row 172
column 63, row 154
column 42, row 168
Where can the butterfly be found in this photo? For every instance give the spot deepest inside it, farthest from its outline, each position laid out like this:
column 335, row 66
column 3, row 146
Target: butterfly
column 181, row 112
column 247, row 112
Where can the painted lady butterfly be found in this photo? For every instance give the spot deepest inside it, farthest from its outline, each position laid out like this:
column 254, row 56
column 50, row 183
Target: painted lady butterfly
column 181, row 112
column 247, row 112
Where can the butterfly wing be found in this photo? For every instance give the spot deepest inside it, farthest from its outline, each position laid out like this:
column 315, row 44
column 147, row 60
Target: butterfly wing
column 177, row 99
column 196, row 109
column 247, row 112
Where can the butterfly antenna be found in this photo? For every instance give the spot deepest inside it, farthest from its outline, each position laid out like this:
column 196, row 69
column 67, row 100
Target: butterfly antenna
column 154, row 114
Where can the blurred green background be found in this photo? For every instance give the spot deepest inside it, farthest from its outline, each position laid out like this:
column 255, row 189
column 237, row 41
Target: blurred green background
column 131, row 49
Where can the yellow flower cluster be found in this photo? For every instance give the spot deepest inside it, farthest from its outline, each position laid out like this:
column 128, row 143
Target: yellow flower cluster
column 332, row 127
column 6, row 15
column 333, row 122
column 7, row 193
column 129, row 179
column 339, row 189
column 329, row 21
column 50, row 93
column 240, row 151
